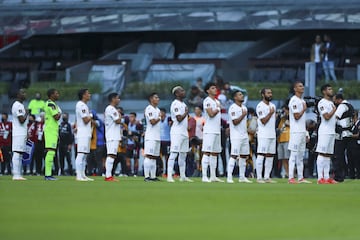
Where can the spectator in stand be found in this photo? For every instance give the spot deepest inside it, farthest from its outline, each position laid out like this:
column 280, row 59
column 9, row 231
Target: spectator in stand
column 5, row 143
column 39, row 148
column 316, row 56
column 66, row 140
column 195, row 97
column 199, row 84
column 328, row 61
column 32, row 136
column 37, row 105
column 283, row 130
column 165, row 125
column 133, row 144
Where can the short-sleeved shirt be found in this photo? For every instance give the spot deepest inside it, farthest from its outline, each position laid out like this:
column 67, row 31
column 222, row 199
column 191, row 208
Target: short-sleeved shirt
column 17, row 110
column 326, row 126
column 296, row 106
column 152, row 131
column 212, row 124
column 238, row 131
column 51, row 109
column 112, row 129
column 178, row 128
column 82, row 111
column 265, row 130
column 36, row 106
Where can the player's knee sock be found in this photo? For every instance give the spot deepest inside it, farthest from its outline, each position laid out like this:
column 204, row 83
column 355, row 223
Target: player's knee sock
column 230, row 167
column 242, row 167
column 83, row 165
column 326, row 167
column 170, row 167
column 153, row 168
column 259, row 166
column 213, row 164
column 109, row 163
column 292, row 161
column 320, row 166
column 49, row 160
column 78, row 165
column 204, row 165
column 268, row 167
column 182, row 164
column 147, row 166
column 300, row 164
column 16, row 166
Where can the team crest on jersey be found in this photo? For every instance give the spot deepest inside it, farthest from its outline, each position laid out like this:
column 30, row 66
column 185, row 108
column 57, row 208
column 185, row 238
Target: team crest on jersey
column 83, row 111
column 260, row 113
column 294, row 107
column 208, row 105
column 321, row 108
column 114, row 114
column 176, row 109
column 20, row 111
column 150, row 114
column 232, row 113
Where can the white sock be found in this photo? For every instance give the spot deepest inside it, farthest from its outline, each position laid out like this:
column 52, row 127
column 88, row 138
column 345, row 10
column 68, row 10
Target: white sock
column 182, row 164
column 109, row 163
column 78, row 165
column 16, row 166
column 268, row 167
column 242, row 168
column 320, row 166
column 292, row 161
column 83, row 165
column 204, row 165
column 300, row 164
column 147, row 167
column 259, row 166
column 153, row 168
column 170, row 167
column 230, row 167
column 327, row 167
column 213, row 164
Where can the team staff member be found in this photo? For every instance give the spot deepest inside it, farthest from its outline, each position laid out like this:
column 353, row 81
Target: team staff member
column 266, row 136
column 326, row 135
column 179, row 134
column 19, row 134
column 51, row 131
column 5, row 143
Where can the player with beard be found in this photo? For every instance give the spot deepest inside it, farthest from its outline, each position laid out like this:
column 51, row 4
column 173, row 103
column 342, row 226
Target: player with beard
column 266, row 136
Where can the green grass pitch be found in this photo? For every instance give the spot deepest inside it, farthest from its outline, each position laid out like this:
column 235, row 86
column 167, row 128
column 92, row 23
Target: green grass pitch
column 134, row 209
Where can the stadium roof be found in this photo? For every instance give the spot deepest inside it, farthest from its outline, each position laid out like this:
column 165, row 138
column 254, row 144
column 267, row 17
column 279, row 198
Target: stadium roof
column 28, row 17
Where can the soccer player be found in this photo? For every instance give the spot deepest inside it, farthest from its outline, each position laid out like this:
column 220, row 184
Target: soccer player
column 51, row 131
column 19, row 134
column 179, row 135
column 152, row 138
column 297, row 142
column 211, row 138
column 326, row 135
column 266, row 136
column 83, row 119
column 112, row 134
column 240, row 148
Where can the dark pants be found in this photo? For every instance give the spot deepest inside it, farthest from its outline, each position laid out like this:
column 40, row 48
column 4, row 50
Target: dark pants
column 39, row 155
column 340, row 167
column 5, row 166
column 65, row 153
column 120, row 158
column 354, row 160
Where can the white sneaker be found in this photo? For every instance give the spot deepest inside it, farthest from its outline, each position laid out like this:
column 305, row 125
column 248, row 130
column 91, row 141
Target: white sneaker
column 229, row 180
column 269, row 180
column 205, row 179
column 19, row 178
column 216, row 179
column 170, row 180
column 88, row 179
column 260, row 181
column 185, row 179
column 244, row 180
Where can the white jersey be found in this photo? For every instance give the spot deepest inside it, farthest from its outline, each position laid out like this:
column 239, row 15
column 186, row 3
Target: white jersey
column 17, row 110
column 237, row 131
column 112, row 129
column 265, row 130
column 178, row 128
column 212, row 124
column 326, row 126
column 82, row 110
column 152, row 131
column 296, row 105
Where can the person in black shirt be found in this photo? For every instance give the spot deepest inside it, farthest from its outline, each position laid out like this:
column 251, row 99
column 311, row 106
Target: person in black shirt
column 66, row 140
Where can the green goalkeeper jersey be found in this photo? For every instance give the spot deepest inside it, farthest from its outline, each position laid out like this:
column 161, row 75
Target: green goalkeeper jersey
column 51, row 109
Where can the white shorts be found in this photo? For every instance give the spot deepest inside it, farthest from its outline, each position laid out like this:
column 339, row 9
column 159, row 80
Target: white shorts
column 240, row 146
column 283, row 150
column 211, row 143
column 297, row 142
column 179, row 143
column 83, row 145
column 152, row 147
column 112, row 147
column 266, row 145
column 325, row 143
column 19, row 143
